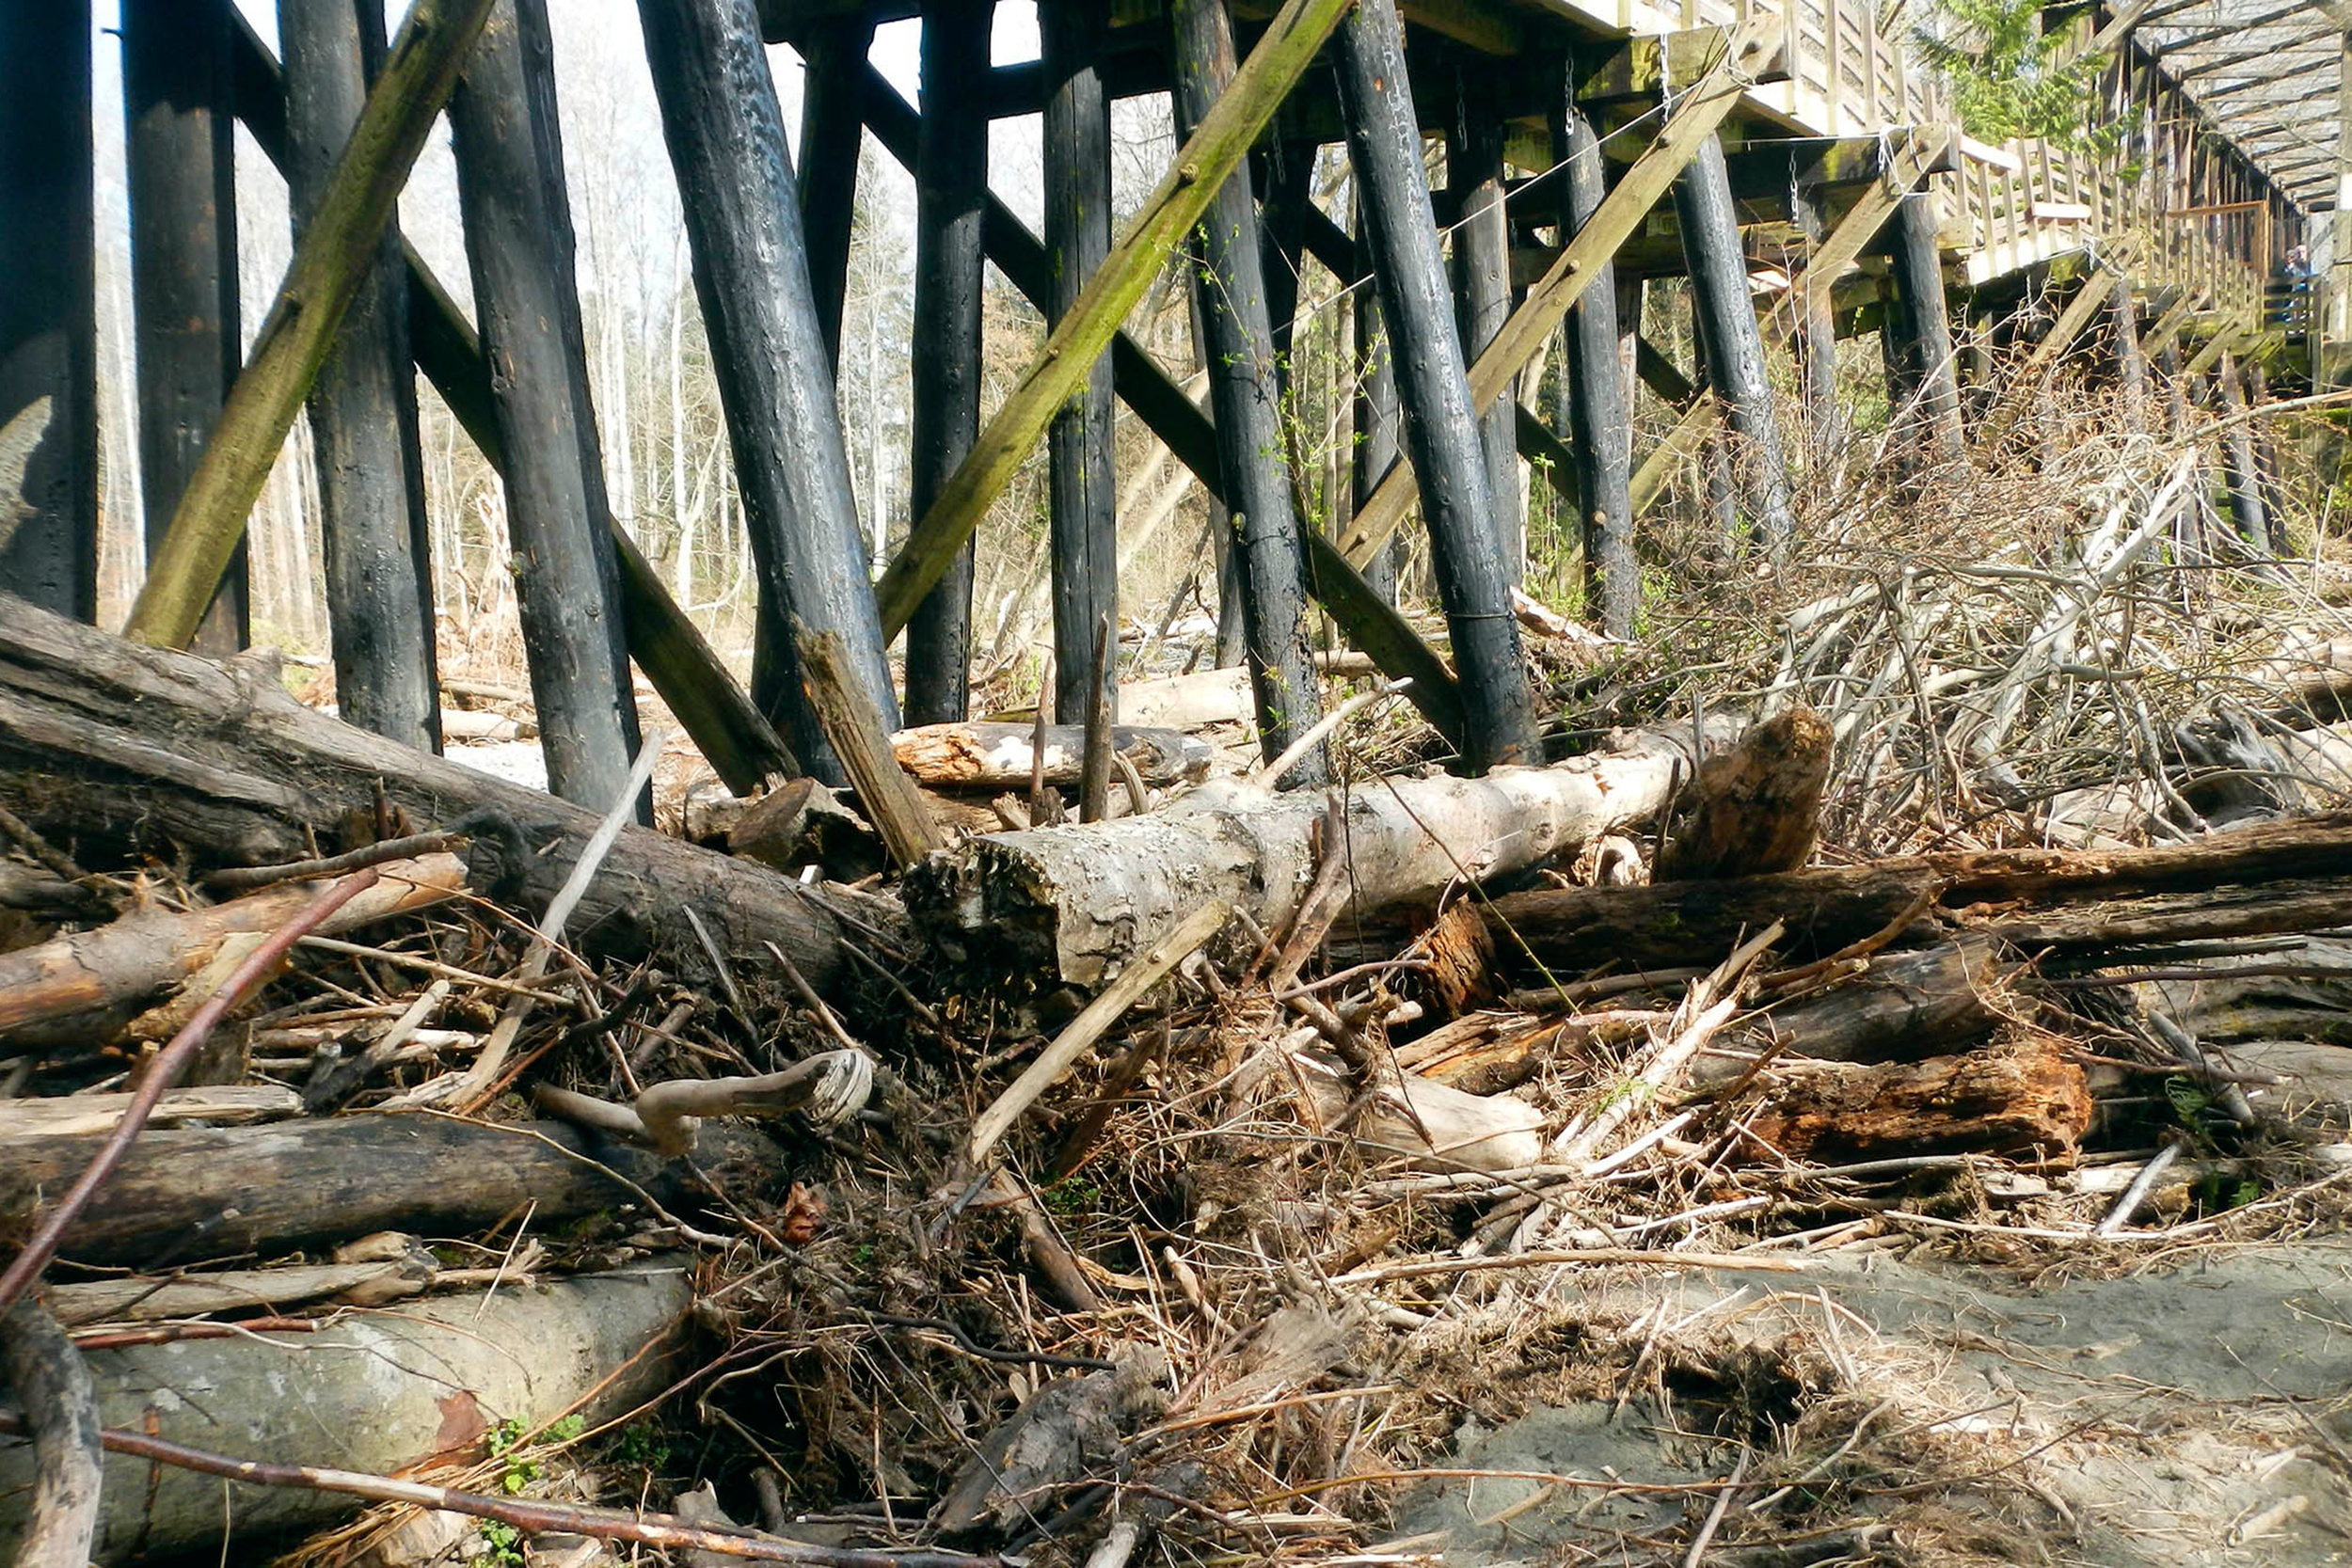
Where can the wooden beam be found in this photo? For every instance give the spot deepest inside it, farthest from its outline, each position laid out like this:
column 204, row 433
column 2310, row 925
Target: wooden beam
column 1599, row 407
column 1724, row 309
column 329, row 267
column 48, row 309
column 775, row 383
column 1283, row 55
column 1228, row 281
column 518, row 240
column 375, row 536
column 1482, row 296
column 176, row 91
column 1384, row 149
column 1378, row 446
column 950, row 203
column 1693, row 120
column 1082, row 478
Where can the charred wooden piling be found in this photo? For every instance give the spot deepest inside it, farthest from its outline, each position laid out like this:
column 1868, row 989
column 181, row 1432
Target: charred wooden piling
column 951, row 201
column 1482, row 289
column 1449, row 459
column 184, row 265
column 1734, row 343
column 1599, row 413
column 1924, row 329
column 48, row 309
column 725, row 135
column 518, row 239
column 1083, row 481
column 1239, row 345
column 363, row 406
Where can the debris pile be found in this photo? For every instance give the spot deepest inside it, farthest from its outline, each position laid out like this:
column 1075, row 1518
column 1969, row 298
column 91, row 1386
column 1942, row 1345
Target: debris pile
column 1232, row 1173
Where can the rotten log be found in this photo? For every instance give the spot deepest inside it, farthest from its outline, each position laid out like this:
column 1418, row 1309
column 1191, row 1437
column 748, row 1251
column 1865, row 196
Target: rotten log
column 192, row 1194
column 1756, row 808
column 2029, row 1099
column 1082, row 901
column 273, row 1396
column 51, row 1386
column 108, row 744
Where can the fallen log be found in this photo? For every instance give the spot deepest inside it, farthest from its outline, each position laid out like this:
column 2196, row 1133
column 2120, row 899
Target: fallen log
column 381, row 1392
column 998, row 756
column 106, row 743
column 84, row 986
column 2027, row 1099
column 196, row 1194
column 2218, row 884
column 1081, row 901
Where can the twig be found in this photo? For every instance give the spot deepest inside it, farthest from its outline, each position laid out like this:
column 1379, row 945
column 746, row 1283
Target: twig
column 239, row 878
column 1270, row 774
column 165, row 1071
column 480, row 1081
column 530, row 1515
column 1698, row 1553
column 30, row 841
column 2137, row 1193
column 1731, row 1261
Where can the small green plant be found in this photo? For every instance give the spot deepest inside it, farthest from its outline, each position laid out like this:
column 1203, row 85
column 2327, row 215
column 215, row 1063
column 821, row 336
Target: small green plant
column 505, row 1543
column 642, row 1444
column 506, row 1438
column 1072, row 1196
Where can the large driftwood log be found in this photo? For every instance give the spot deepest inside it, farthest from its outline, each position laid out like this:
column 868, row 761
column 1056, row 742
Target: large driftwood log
column 194, row 1194
column 1082, row 900
column 377, row 1392
column 106, row 743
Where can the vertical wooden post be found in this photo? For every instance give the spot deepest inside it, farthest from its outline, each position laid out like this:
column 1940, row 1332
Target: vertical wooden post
column 1433, row 387
column 1289, row 190
column 1926, row 337
column 1082, row 475
column 832, row 133
column 363, row 406
column 1376, row 419
column 1245, row 395
column 518, row 238
column 1734, row 344
column 2239, row 472
column 1231, row 640
column 1482, row 286
column 725, row 135
column 1817, row 333
column 2268, row 466
column 183, row 263
column 1599, row 415
column 48, row 320
column 2131, row 365
column 950, row 194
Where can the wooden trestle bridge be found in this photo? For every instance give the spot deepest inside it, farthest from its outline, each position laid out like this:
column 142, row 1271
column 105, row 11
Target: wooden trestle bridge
column 1794, row 163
